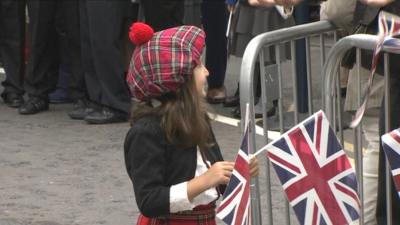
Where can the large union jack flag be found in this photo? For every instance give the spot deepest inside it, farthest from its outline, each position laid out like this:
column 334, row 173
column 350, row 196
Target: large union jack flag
column 235, row 206
column 391, row 147
column 315, row 173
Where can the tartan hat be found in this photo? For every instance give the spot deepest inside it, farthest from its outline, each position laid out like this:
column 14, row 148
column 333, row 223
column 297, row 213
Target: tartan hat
column 162, row 62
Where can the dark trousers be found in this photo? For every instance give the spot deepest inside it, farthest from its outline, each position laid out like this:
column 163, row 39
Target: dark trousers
column 215, row 21
column 72, row 50
column 101, row 31
column 51, row 22
column 43, row 64
column 395, row 123
column 12, row 36
column 163, row 14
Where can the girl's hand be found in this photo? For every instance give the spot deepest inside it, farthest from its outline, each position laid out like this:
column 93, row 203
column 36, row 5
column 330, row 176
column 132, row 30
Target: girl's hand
column 219, row 173
column 377, row 3
column 254, row 166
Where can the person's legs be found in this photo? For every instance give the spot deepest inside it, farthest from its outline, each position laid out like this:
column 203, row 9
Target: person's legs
column 60, row 92
column 43, row 62
column 105, row 78
column 77, row 87
column 370, row 129
column 215, row 20
column 12, row 25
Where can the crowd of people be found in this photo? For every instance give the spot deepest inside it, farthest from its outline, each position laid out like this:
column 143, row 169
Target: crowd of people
column 82, row 46
column 78, row 51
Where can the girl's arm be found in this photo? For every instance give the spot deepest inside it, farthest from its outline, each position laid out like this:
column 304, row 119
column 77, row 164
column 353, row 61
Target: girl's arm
column 145, row 163
column 219, row 173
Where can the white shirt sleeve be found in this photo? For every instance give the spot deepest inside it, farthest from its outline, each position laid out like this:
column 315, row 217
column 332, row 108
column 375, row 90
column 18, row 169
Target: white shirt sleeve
column 178, row 198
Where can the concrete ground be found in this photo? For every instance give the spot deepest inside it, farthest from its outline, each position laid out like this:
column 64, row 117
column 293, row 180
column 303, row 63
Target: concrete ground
column 56, row 171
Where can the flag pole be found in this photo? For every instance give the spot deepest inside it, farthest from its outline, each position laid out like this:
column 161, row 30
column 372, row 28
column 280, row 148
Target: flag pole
column 229, row 23
column 247, row 119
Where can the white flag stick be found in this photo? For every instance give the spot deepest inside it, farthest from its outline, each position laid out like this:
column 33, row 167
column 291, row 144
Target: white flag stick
column 229, row 23
column 247, row 119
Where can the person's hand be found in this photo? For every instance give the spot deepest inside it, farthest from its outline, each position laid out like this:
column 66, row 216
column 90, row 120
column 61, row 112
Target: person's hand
column 254, row 167
column 265, row 3
column 219, row 173
column 269, row 3
column 377, row 3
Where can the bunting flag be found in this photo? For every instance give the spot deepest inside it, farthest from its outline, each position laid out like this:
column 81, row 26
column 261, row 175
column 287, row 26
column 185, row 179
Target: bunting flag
column 389, row 27
column 315, row 173
column 391, row 147
column 235, row 205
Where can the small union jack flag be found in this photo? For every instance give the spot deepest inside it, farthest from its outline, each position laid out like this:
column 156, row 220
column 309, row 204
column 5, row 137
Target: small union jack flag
column 315, row 173
column 235, row 206
column 391, row 147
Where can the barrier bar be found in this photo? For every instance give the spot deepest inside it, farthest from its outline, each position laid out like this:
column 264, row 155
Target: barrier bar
column 387, row 129
column 264, row 99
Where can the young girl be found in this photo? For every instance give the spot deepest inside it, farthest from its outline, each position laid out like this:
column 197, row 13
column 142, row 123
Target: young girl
column 171, row 155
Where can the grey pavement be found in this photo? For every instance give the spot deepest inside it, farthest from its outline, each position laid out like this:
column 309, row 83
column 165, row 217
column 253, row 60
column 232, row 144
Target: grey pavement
column 57, row 171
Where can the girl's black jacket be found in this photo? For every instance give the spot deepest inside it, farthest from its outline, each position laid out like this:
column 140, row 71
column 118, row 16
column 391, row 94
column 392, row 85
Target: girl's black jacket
column 154, row 165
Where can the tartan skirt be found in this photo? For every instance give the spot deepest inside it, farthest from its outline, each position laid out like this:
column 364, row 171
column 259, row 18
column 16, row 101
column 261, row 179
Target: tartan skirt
column 200, row 215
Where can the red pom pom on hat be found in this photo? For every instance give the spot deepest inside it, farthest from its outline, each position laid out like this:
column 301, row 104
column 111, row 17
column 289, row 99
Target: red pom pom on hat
column 140, row 33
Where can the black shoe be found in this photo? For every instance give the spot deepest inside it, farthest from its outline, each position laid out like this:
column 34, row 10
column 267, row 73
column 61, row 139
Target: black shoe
column 106, row 115
column 12, row 100
column 233, row 101
column 343, row 92
column 33, row 106
column 81, row 108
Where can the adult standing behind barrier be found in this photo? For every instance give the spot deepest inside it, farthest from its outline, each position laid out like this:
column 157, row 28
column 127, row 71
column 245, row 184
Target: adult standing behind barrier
column 43, row 63
column 12, row 26
column 77, row 86
column 215, row 21
column 367, row 15
column 251, row 21
column 101, row 31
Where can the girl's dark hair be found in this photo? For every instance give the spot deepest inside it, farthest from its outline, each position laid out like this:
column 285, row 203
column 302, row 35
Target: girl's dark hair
column 183, row 114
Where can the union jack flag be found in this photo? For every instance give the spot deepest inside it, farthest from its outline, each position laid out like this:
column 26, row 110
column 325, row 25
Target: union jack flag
column 235, row 206
column 389, row 27
column 391, row 147
column 315, row 173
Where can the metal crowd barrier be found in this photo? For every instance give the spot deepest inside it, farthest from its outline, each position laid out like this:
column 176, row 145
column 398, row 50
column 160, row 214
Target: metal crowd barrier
column 253, row 53
column 330, row 71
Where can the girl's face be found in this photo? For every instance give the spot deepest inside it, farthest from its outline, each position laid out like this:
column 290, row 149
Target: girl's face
column 200, row 74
